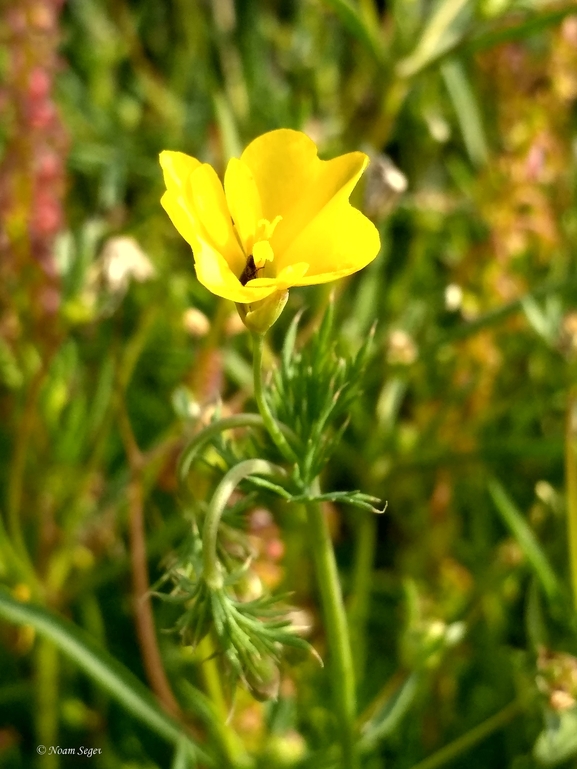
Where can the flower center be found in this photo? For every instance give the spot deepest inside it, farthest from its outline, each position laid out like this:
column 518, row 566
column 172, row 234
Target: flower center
column 250, row 271
column 260, row 252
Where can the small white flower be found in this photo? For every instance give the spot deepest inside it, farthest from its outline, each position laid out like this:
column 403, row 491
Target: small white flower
column 123, row 259
column 453, row 297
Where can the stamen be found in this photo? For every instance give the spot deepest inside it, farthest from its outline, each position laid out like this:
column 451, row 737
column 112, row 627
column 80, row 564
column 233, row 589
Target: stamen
column 261, row 250
column 262, row 253
column 265, row 229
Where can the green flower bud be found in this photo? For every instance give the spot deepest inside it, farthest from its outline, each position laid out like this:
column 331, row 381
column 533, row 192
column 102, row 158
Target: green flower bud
column 284, row 749
column 260, row 316
column 264, row 680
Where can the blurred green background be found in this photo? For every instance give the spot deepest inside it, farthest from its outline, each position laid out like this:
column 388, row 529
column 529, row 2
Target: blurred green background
column 461, row 596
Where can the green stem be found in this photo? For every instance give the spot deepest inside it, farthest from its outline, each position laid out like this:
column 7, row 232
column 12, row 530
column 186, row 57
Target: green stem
column 271, row 424
column 365, row 545
column 230, row 743
column 15, row 563
column 343, row 675
column 571, row 481
column 471, row 738
column 16, row 479
column 211, row 566
column 47, row 675
column 342, row 666
column 221, row 425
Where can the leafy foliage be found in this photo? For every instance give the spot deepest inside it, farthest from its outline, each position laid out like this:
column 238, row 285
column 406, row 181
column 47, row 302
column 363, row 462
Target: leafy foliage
column 464, row 422
column 313, row 391
column 250, row 634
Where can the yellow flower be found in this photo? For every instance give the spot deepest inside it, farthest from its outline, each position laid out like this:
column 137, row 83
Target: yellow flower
column 282, row 219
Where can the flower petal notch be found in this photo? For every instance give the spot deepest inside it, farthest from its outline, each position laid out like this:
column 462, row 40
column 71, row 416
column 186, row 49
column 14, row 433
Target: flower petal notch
column 282, row 219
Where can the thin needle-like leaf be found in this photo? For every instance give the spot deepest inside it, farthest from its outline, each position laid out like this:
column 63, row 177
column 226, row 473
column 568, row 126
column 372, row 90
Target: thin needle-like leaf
column 527, row 541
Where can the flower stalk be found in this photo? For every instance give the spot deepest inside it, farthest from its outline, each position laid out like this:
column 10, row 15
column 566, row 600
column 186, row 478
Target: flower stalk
column 571, row 481
column 211, row 567
column 337, row 629
column 270, row 422
column 343, row 674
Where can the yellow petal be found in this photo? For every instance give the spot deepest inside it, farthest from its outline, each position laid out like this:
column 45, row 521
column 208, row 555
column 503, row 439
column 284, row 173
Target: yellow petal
column 181, row 216
column 291, row 275
column 288, row 276
column 339, row 241
column 205, row 196
column 294, row 183
column 243, row 201
column 176, row 168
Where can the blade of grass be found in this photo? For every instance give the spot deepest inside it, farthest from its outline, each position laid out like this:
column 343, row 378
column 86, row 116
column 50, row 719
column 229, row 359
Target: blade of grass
column 231, row 143
column 101, row 666
column 526, row 540
column 183, row 759
column 483, row 37
column 503, row 31
column 571, row 481
column 471, row 738
column 391, row 713
column 354, row 22
column 466, row 109
column 443, row 31
column 561, row 287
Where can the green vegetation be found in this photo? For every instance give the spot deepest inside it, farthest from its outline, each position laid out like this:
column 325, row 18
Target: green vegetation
column 459, row 416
